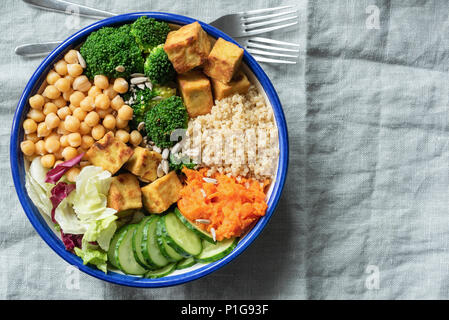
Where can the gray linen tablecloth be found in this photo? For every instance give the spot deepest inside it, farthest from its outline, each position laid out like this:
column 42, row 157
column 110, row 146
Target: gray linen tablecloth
column 364, row 213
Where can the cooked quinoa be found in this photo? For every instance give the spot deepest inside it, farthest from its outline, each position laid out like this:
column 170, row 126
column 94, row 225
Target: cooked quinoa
column 238, row 137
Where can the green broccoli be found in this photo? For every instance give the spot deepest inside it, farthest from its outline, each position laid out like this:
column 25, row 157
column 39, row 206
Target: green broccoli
column 162, row 119
column 157, row 66
column 149, row 33
column 108, row 48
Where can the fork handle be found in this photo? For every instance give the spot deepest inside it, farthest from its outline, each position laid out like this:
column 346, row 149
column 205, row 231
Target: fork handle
column 70, row 8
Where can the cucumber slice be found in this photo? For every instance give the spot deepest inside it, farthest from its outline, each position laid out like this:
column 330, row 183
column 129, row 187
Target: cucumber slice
column 112, row 252
column 137, row 244
column 192, row 226
column 179, row 237
column 150, row 249
column 125, row 256
column 168, row 252
column 214, row 252
column 162, row 272
column 186, row 263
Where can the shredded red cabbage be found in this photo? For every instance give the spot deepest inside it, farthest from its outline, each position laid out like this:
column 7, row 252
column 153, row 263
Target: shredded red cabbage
column 57, row 172
column 59, row 193
column 71, row 240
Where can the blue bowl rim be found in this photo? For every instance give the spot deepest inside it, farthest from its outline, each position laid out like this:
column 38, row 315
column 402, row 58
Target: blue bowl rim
column 18, row 172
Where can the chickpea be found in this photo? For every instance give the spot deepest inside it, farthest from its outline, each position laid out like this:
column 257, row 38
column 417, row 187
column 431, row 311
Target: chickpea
column 66, row 95
column 27, row 147
column 72, row 108
column 125, row 112
column 94, row 91
column 117, row 102
column 98, row 132
column 64, row 141
column 61, row 128
column 74, row 139
column 48, row 161
column 59, row 102
column 57, row 162
column 36, row 102
column 84, row 128
column 92, row 119
column 52, row 77
column 102, row 101
column 52, row 121
column 72, row 124
column 63, row 84
column 121, row 124
column 74, row 69
column 84, row 163
column 122, row 135
column 29, row 126
column 71, row 57
column 109, row 122
column 101, row 81
column 51, row 92
column 32, row 137
column 135, row 138
column 104, row 113
column 52, row 144
column 36, row 115
column 79, row 113
column 61, row 67
column 43, row 130
column 72, row 173
column 87, row 104
column 69, row 153
column 76, row 98
column 40, row 148
column 50, row 107
column 64, row 112
column 87, row 142
column 70, row 78
column 110, row 92
column 81, row 83
column 120, row 85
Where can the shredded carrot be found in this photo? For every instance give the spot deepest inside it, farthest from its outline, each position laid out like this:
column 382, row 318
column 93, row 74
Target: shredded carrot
column 230, row 205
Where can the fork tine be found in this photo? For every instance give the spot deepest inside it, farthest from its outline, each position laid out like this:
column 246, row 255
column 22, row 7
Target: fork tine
column 273, row 54
column 257, row 11
column 266, row 23
column 268, row 60
column 262, row 30
column 262, row 46
column 268, row 40
column 268, row 16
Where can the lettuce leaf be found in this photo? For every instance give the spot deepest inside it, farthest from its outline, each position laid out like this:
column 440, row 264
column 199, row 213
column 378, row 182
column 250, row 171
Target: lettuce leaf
column 91, row 254
column 101, row 231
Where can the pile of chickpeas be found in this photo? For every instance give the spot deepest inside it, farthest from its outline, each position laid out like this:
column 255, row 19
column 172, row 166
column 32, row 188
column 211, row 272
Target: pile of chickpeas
column 71, row 113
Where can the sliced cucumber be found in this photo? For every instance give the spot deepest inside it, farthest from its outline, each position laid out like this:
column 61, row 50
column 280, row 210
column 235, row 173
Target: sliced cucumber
column 150, row 248
column 214, row 252
column 125, row 256
column 162, row 272
column 137, row 244
column 112, row 252
column 179, row 237
column 192, row 226
column 168, row 252
column 186, row 263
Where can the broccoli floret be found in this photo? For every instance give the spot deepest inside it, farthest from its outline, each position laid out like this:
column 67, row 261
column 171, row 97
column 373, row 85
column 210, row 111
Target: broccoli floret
column 149, row 33
column 162, row 119
column 108, row 48
column 157, row 66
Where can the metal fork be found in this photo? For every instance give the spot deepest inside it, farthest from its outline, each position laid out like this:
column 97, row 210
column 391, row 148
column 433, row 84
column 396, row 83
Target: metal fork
column 243, row 24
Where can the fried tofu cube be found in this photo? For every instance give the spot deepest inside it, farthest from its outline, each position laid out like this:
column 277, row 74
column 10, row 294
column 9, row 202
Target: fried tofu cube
column 109, row 153
column 159, row 195
column 223, row 61
column 143, row 163
column 196, row 92
column 187, row 47
column 124, row 193
column 239, row 84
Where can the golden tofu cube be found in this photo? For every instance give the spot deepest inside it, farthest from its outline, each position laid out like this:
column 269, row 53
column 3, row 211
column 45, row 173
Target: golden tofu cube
column 239, row 84
column 159, row 195
column 196, row 92
column 143, row 163
column 223, row 61
column 124, row 193
column 109, row 153
column 187, row 47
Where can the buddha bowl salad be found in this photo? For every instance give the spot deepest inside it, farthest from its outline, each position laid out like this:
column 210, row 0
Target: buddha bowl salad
column 101, row 163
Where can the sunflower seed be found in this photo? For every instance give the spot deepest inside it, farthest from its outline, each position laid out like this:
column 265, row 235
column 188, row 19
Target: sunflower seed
column 156, row 98
column 210, row 180
column 165, row 154
column 81, row 60
column 214, row 236
column 176, row 148
column 139, row 80
column 157, row 149
column 141, row 86
column 204, row 193
column 149, row 85
column 151, row 142
column 149, row 147
column 160, row 171
column 165, row 166
column 120, row 69
column 135, row 75
column 140, row 126
column 203, row 221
